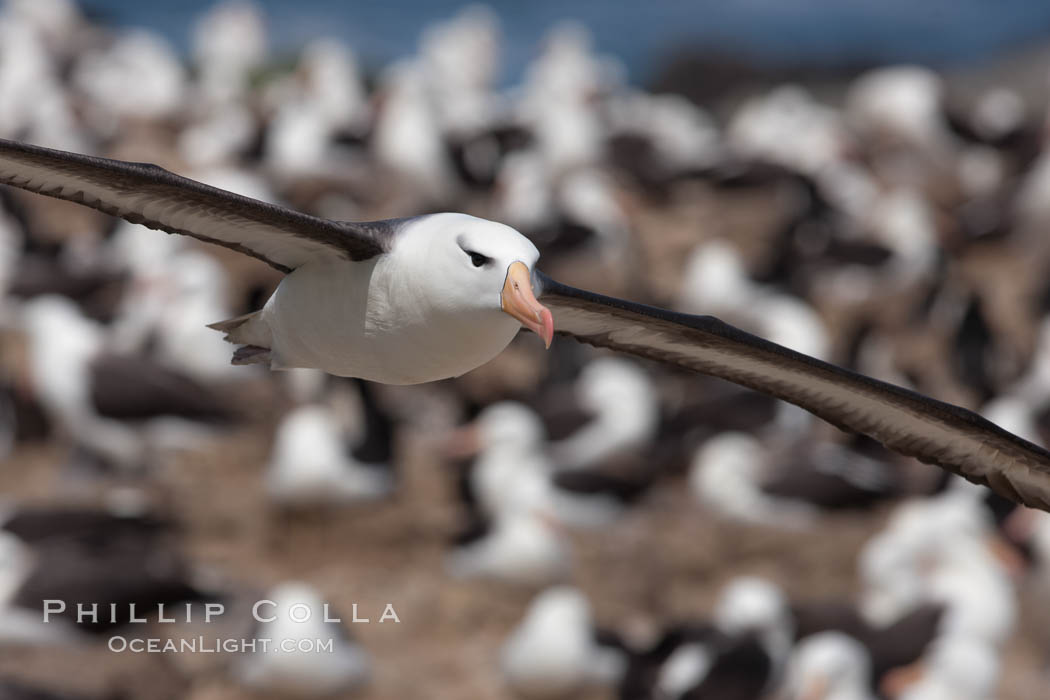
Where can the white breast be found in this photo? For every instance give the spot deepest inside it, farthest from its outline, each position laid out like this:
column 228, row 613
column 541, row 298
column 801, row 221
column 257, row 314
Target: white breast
column 356, row 319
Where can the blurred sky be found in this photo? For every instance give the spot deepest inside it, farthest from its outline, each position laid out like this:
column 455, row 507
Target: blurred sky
column 641, row 32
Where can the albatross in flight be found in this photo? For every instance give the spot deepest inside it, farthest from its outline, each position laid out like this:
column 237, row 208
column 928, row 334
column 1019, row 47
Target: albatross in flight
column 404, row 301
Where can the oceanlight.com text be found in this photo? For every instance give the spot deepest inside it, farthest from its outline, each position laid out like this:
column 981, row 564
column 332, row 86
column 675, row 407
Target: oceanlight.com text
column 215, row 645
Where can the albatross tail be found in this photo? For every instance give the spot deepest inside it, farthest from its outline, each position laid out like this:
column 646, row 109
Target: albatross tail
column 251, row 333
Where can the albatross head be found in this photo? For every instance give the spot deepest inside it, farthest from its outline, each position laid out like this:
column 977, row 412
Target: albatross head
column 481, row 265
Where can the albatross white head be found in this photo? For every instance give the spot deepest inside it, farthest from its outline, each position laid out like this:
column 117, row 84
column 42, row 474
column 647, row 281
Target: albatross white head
column 476, row 265
column 459, row 290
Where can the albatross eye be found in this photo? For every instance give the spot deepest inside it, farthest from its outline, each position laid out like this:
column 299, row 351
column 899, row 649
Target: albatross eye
column 477, row 258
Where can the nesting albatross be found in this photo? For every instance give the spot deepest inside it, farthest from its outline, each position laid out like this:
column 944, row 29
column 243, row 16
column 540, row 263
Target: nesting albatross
column 404, row 301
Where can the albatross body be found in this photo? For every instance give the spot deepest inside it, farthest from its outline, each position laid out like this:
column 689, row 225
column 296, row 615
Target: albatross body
column 413, row 300
column 384, row 318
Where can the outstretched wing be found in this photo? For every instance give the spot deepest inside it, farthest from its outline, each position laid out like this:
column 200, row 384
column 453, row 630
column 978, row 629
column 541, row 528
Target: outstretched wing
column 909, row 423
column 154, row 197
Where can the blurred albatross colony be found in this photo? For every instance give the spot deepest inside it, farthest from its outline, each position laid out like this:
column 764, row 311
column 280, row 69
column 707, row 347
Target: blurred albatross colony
column 564, row 525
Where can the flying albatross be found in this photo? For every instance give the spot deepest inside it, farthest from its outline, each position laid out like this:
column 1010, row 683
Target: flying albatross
column 404, row 301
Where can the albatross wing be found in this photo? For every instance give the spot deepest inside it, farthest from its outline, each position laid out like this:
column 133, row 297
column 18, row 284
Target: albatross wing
column 935, row 432
column 154, row 197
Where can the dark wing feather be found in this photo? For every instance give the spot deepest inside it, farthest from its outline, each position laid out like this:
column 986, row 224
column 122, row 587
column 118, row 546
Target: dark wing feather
column 906, row 640
column 129, row 387
column 154, row 197
column 42, row 524
column 741, row 672
column 126, row 574
column 11, row 689
column 951, row 437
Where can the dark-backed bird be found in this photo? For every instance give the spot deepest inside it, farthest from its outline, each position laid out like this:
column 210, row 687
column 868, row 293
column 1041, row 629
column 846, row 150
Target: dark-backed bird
column 412, row 300
column 625, row 412
column 90, row 570
column 834, row 477
column 116, row 408
column 736, row 656
column 889, row 646
column 512, row 471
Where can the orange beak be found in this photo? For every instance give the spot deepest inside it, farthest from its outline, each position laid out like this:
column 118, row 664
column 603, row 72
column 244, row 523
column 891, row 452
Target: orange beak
column 518, row 300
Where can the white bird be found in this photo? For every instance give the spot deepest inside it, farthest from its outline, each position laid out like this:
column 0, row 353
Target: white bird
column 587, row 197
column 18, row 624
column 60, row 373
column 460, row 59
column 175, row 304
column 935, row 551
column 139, row 76
column 323, row 98
column 55, row 20
column 789, row 127
column 683, row 136
column 553, row 652
column 32, row 98
column 313, row 464
column 726, row 475
column 956, row 668
column 521, row 547
column 715, row 279
column 413, row 300
column 1032, row 204
column 298, row 141
column 977, row 594
column 999, row 112
column 828, row 666
column 407, row 137
column 229, row 40
column 902, row 220
column 332, row 81
column 216, row 138
column 899, row 102
column 322, row 659
column 626, row 411
column 523, row 195
column 512, row 472
column 1014, row 413
column 512, row 475
column 558, row 101
column 750, row 605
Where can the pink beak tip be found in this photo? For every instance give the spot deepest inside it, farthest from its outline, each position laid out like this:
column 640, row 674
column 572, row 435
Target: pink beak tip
column 547, row 325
